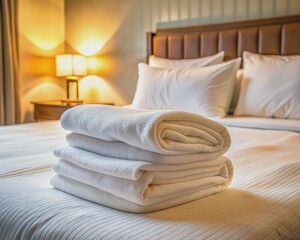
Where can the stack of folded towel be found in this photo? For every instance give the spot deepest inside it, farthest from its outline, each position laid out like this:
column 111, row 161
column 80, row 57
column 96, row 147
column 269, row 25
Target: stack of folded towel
column 139, row 160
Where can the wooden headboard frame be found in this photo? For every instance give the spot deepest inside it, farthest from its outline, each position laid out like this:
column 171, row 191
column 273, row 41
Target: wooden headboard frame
column 279, row 36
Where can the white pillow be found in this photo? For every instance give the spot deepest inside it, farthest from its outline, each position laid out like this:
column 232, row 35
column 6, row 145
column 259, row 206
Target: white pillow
column 183, row 63
column 236, row 90
column 270, row 86
column 206, row 91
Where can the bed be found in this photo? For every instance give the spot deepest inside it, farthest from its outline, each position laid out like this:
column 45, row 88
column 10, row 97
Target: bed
column 263, row 201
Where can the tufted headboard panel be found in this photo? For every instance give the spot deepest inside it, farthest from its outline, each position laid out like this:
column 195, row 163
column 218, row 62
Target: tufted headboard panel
column 279, row 36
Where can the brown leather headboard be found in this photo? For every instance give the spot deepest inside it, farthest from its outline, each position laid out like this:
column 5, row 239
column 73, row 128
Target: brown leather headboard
column 280, row 36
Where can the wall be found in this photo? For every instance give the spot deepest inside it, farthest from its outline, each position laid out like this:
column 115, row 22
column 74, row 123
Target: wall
column 114, row 32
column 41, row 37
column 198, row 12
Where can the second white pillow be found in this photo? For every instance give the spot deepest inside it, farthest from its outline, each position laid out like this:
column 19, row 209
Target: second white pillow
column 270, row 86
column 206, row 91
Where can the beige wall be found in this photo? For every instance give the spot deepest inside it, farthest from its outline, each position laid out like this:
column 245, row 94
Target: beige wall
column 41, row 37
column 112, row 31
column 211, row 11
column 115, row 31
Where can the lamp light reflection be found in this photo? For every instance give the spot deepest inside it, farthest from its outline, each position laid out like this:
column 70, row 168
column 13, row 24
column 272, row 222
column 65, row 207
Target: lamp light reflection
column 90, row 47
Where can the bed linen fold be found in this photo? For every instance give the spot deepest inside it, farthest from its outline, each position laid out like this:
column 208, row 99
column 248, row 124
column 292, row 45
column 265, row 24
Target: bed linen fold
column 163, row 131
column 142, row 191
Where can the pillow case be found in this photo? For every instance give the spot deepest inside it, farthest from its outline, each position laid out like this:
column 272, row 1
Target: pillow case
column 236, row 90
column 270, row 86
column 183, row 63
column 206, row 91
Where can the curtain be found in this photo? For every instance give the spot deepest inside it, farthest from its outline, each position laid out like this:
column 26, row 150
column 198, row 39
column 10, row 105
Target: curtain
column 10, row 112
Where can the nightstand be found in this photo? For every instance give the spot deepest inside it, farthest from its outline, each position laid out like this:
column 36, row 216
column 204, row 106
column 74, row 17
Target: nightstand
column 52, row 110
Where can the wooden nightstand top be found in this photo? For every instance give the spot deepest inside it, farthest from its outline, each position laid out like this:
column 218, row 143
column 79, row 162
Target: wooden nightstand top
column 53, row 109
column 67, row 103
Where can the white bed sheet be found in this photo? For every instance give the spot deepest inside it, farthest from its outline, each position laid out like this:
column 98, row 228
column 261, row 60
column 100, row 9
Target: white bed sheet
column 263, row 201
column 262, row 123
column 27, row 148
column 257, row 122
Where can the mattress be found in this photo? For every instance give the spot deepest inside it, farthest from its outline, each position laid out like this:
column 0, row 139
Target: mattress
column 263, row 201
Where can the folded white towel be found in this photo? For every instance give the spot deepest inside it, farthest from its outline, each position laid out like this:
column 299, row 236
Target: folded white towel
column 141, row 191
column 165, row 132
column 110, row 200
column 133, row 170
column 122, row 150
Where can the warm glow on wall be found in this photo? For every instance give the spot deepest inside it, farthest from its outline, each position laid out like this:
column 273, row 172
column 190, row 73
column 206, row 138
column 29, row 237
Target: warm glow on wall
column 90, row 47
column 93, row 88
column 89, row 34
column 44, row 44
column 96, row 65
column 41, row 25
column 48, row 85
column 42, row 88
column 95, row 37
column 93, row 63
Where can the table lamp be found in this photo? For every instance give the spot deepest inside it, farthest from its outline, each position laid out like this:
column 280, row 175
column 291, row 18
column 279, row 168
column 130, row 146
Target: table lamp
column 71, row 66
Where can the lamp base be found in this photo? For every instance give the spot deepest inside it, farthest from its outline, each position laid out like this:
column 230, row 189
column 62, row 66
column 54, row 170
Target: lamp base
column 71, row 83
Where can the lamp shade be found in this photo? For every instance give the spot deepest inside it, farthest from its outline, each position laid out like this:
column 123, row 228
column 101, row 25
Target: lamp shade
column 70, row 65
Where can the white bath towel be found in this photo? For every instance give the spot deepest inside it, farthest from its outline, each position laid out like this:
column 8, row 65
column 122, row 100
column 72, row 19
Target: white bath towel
column 141, row 191
column 122, row 150
column 133, row 170
column 165, row 132
column 110, row 200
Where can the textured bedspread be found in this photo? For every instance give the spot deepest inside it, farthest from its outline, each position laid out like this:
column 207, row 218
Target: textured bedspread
column 263, row 201
column 27, row 148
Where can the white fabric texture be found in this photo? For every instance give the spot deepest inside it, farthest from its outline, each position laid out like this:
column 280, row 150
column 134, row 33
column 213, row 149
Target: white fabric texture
column 21, row 150
column 186, row 63
column 262, row 123
column 141, row 182
column 125, row 151
column 270, row 86
column 236, row 91
column 165, row 132
column 107, row 199
column 263, row 201
column 133, row 170
column 142, row 191
column 205, row 91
